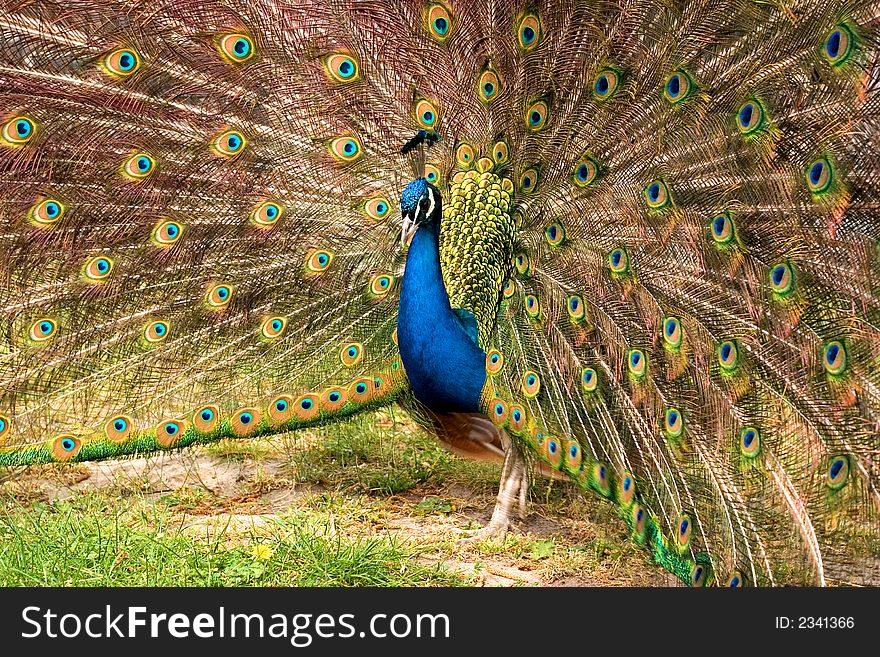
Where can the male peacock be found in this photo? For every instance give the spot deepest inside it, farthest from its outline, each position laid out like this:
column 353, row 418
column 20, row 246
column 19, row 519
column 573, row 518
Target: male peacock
column 644, row 249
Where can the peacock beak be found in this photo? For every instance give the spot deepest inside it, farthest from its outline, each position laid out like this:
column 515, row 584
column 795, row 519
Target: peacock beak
column 409, row 228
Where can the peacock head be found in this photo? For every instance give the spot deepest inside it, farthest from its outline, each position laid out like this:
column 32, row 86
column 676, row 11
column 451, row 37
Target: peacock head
column 420, row 204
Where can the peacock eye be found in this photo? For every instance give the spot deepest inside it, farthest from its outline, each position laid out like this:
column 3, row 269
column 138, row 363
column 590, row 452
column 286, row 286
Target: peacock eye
column 819, row 175
column 342, row 68
column 345, row 149
column 426, row 114
column 606, row 84
column 439, row 22
column 236, row 48
column 838, row 45
column 122, row 62
column 529, row 32
column 18, row 130
column 218, row 297
column 229, row 143
column 46, row 213
column 138, row 166
column 750, row 117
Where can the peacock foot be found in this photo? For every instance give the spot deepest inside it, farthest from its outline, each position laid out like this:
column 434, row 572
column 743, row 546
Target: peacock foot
column 513, row 490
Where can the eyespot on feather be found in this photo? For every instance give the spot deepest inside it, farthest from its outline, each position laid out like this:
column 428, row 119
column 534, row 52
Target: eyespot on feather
column 605, row 84
column 728, row 356
column 574, row 306
column 834, row 357
column 657, row 195
column 342, row 67
column 46, row 213
column 637, row 363
column 494, row 361
column 501, row 153
column 498, row 412
column 426, row 114
column 236, row 48
column 439, row 22
column 432, row 174
column 219, row 296
column 156, row 332
column 838, row 472
column 589, row 379
column 346, row 149
column 618, row 261
column 318, row 260
column 517, row 421
column 280, row 410
column 750, row 442
column 722, row 228
column 585, row 172
column 529, row 32
column 533, row 307
column 528, row 181
column 273, row 327
column 683, row 529
column 42, row 330
column 206, row 419
column 537, row 116
column 555, row 234
column 531, row 384
column 489, row 86
column 332, row 399
column 782, row 279
column 351, row 353
column 244, row 421
column 464, row 155
column 65, row 447
column 677, row 87
column 169, row 432
column 820, row 175
column 98, row 269
column 377, row 208
column 5, row 429
column 750, row 117
column 626, row 489
column 138, row 166
column 360, row 391
column 672, row 333
column 118, row 429
column 673, row 423
column 838, row 45
column 229, row 143
column 305, row 407
column 121, row 62
column 381, row 284
column 267, row 214
column 167, row 233
column 18, row 130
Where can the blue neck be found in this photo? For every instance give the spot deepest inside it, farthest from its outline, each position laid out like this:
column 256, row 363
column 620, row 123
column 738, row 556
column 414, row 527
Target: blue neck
column 446, row 370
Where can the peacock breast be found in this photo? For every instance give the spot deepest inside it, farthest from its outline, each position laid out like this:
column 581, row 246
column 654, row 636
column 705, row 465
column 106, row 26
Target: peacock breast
column 476, row 243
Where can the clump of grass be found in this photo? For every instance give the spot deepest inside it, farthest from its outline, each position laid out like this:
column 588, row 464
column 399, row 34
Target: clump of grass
column 89, row 540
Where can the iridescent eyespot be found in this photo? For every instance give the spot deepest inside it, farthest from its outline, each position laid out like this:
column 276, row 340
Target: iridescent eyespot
column 494, row 361
column 722, row 228
column 439, row 22
column 167, row 233
column 464, row 155
column 377, row 208
column 585, row 172
column 5, row 429
column 305, row 407
column 537, row 116
column 574, row 306
column 229, row 143
column 332, row 399
column 589, row 379
column 273, row 327
column 819, row 175
column 98, row 269
column 18, row 130
column 432, row 174
column 219, row 296
column 684, row 527
column 236, row 48
column 342, row 67
column 838, row 472
column 351, row 353
column 360, row 391
column 117, row 429
column 509, row 289
column 728, row 356
column 600, row 479
column 489, row 86
column 156, row 332
column 244, row 421
column 618, row 261
column 528, row 180
column 381, row 284
column 533, row 308
column 572, row 456
column 426, row 114
column 531, row 384
column 498, row 412
column 138, row 166
column 555, row 234
column 838, row 45
column 346, row 149
column 606, row 84
column 122, row 62
column 522, row 264
column 280, row 410
column 782, row 278
column 500, row 152
column 639, row 522
column 205, row 419
column 42, row 330
column 834, row 357
column 672, row 333
column 626, row 489
column 750, row 117
column 750, row 442
column 517, row 418
column 700, row 575
column 677, row 87
column 66, row 447
column 657, row 195
column 318, row 260
column 637, row 363
column 673, row 423
column 46, row 213
column 529, row 32
column 267, row 214
column 169, row 432
column 736, row 580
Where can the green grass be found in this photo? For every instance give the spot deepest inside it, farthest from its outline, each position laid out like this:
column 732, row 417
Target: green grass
column 89, row 541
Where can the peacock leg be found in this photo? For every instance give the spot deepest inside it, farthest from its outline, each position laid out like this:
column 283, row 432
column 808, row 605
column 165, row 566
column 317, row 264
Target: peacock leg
column 513, row 489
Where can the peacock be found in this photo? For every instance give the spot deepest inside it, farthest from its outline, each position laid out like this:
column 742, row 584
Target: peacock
column 633, row 244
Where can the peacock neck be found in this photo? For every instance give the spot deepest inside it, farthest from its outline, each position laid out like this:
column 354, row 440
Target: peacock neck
column 446, row 369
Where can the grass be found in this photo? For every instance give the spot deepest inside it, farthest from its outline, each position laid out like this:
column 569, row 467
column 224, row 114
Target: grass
column 370, row 502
